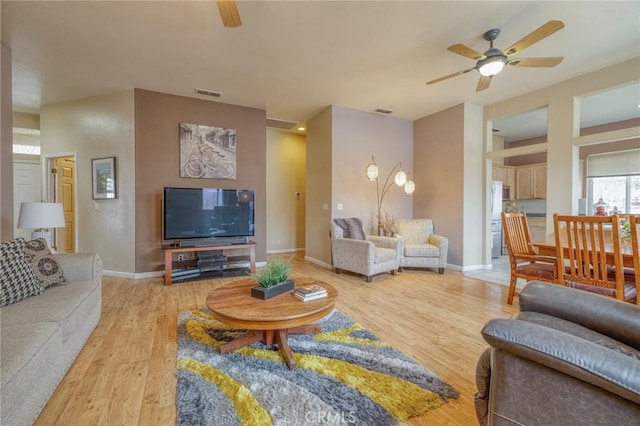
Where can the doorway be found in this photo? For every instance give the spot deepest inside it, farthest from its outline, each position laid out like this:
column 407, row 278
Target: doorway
column 60, row 182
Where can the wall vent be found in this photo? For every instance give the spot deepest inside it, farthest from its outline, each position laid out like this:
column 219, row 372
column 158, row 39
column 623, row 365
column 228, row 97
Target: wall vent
column 280, row 124
column 383, row 110
column 206, row 92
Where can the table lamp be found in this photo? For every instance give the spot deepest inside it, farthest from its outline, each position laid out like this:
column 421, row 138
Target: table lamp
column 41, row 216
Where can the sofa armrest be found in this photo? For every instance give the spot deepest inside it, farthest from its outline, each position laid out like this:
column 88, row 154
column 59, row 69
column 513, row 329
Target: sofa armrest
column 79, row 267
column 605, row 315
column 483, row 383
column 384, row 242
column 439, row 240
column 589, row 362
column 395, row 243
column 347, row 247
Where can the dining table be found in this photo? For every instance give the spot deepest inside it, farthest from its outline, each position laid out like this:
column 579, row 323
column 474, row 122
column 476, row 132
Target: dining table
column 548, row 248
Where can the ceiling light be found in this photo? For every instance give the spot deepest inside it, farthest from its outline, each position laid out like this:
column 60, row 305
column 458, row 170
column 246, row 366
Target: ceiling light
column 302, row 129
column 493, row 63
column 492, row 66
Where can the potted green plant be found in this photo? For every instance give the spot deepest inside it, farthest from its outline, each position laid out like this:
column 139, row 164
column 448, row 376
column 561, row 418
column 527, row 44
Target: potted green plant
column 273, row 279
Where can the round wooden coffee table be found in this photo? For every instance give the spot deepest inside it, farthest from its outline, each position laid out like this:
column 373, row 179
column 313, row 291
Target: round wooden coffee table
column 268, row 320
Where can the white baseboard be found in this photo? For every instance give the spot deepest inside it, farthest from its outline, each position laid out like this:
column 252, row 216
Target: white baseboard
column 318, row 262
column 285, row 251
column 475, row 267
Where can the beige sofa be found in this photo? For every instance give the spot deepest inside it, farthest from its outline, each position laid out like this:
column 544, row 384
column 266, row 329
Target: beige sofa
column 369, row 256
column 422, row 248
column 40, row 337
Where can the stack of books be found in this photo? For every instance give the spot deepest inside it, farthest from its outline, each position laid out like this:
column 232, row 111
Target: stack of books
column 310, row 292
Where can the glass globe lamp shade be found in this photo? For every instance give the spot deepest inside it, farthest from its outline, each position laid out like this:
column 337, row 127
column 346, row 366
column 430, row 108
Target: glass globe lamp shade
column 401, row 177
column 372, row 171
column 409, row 187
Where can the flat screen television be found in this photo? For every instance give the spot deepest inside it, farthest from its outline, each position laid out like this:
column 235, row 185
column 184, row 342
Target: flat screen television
column 207, row 214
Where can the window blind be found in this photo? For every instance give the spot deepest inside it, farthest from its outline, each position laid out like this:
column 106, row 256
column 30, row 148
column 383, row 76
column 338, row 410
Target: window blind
column 621, row 163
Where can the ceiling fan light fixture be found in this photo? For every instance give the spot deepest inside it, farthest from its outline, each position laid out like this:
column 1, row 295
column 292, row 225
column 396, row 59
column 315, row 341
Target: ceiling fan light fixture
column 492, row 66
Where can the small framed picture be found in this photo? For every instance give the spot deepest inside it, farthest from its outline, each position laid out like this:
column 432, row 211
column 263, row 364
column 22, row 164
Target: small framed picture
column 104, row 178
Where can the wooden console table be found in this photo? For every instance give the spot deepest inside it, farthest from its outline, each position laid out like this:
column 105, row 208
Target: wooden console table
column 169, row 251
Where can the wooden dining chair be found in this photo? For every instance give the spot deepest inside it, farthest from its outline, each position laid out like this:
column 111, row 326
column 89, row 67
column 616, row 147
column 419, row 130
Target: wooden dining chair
column 524, row 262
column 589, row 259
column 634, row 222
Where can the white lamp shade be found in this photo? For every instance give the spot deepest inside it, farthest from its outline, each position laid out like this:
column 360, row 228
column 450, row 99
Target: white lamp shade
column 409, row 187
column 372, row 171
column 41, row 215
column 401, row 177
column 491, row 67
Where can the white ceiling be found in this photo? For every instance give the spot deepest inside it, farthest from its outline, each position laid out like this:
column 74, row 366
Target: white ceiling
column 294, row 58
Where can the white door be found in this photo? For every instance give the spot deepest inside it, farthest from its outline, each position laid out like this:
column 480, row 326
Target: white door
column 27, row 187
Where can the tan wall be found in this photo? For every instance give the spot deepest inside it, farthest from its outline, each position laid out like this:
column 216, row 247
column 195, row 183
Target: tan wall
column 6, row 146
column 286, row 176
column 25, row 120
column 475, row 192
column 157, row 120
column 97, row 127
column 439, row 195
column 318, row 192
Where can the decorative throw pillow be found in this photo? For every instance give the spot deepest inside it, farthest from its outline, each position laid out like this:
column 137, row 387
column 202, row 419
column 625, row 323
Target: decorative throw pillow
column 17, row 280
column 351, row 228
column 46, row 268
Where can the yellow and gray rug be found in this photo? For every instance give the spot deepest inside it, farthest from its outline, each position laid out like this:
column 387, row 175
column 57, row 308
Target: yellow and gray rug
column 345, row 375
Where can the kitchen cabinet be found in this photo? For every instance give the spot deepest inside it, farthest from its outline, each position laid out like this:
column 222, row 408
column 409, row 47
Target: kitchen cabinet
column 531, row 182
column 537, row 228
column 506, row 175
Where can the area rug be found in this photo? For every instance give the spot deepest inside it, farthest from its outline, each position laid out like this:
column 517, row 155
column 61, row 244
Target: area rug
column 345, row 375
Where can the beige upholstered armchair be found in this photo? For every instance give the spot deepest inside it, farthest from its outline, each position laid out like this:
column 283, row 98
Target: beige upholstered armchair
column 422, row 248
column 368, row 255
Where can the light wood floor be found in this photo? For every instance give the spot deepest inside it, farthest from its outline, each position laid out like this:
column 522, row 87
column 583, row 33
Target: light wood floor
column 125, row 374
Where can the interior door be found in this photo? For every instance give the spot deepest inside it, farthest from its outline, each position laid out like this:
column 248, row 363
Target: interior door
column 63, row 172
column 27, row 187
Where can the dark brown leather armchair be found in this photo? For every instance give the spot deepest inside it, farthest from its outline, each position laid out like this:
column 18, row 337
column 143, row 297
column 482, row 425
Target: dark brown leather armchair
column 568, row 357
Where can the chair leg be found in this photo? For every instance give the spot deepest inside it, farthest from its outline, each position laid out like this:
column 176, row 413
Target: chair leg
column 400, row 269
column 368, row 278
column 441, row 271
column 393, row 272
column 512, row 289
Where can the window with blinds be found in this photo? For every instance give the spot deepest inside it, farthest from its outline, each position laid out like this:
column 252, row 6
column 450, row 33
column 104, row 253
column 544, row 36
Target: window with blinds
column 615, row 179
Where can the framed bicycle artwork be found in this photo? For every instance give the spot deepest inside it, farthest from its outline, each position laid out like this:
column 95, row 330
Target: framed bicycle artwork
column 103, row 173
column 207, row 152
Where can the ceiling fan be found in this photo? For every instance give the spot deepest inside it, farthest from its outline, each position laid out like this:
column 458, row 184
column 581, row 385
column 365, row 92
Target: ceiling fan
column 229, row 13
column 493, row 60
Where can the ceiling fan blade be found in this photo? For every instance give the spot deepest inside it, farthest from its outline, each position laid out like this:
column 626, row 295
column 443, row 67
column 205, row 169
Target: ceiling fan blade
column 483, row 83
column 455, row 74
column 535, row 62
column 465, row 51
column 544, row 31
column 229, row 13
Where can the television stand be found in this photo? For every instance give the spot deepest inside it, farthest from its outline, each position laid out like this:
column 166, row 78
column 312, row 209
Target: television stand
column 211, row 265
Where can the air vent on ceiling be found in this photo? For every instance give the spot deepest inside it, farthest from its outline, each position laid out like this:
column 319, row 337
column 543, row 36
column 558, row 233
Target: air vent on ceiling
column 208, row 93
column 383, row 110
column 280, row 124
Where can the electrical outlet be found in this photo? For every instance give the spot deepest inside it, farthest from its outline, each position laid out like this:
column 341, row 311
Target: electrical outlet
column 180, row 257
